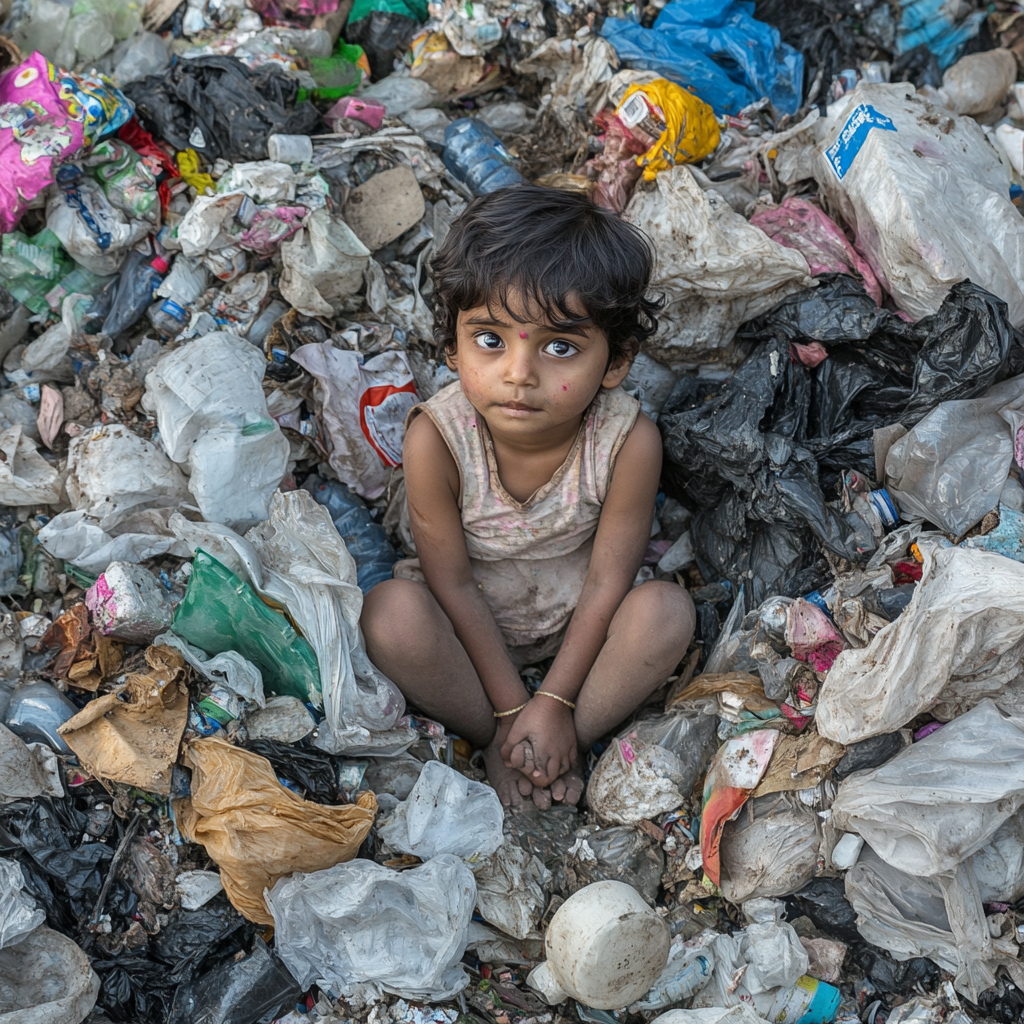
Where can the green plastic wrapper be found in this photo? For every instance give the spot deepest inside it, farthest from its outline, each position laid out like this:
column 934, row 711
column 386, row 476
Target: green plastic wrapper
column 220, row 612
column 416, row 9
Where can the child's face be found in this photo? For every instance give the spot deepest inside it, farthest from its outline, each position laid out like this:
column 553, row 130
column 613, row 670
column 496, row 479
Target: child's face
column 530, row 378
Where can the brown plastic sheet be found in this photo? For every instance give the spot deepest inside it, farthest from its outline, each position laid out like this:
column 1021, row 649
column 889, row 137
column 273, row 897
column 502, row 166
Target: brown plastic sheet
column 256, row 830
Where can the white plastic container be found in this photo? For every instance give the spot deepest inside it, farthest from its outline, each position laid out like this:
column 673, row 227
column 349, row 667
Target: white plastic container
column 606, row 947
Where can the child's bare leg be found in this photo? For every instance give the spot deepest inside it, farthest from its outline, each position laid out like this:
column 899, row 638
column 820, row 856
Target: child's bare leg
column 411, row 640
column 647, row 638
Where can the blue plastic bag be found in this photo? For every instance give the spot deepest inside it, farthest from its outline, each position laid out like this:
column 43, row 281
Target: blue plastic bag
column 930, row 22
column 717, row 49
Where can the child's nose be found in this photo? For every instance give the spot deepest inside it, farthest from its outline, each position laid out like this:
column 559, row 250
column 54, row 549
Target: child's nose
column 519, row 366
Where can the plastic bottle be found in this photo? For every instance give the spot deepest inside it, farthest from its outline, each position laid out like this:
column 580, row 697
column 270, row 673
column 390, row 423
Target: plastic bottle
column 366, row 541
column 134, row 292
column 475, row 155
column 179, row 290
column 692, row 974
column 809, row 1001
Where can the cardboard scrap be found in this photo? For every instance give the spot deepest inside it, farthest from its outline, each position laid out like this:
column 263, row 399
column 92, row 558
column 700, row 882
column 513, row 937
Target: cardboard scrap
column 799, row 762
column 132, row 735
column 385, row 207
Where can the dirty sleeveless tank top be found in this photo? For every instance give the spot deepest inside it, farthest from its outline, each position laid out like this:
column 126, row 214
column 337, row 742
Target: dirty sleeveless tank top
column 529, row 558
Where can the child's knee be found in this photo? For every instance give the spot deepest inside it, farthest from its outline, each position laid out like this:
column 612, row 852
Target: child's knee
column 672, row 612
column 394, row 612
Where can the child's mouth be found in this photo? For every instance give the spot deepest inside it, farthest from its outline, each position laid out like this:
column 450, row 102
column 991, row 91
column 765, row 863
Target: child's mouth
column 518, row 408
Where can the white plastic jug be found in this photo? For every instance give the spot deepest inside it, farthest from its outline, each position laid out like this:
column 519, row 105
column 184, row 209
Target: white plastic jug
column 605, row 947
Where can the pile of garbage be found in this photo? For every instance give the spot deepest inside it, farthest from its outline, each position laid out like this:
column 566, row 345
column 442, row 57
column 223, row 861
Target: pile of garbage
column 217, row 224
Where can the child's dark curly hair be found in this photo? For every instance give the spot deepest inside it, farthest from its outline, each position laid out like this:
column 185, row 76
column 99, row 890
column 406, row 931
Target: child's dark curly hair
column 558, row 251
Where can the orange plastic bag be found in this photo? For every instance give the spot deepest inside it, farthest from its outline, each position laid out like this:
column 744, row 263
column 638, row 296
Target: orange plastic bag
column 256, row 830
column 680, row 128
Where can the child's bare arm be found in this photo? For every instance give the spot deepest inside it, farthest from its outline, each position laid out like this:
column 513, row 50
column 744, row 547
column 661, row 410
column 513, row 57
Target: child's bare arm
column 622, row 536
column 432, row 490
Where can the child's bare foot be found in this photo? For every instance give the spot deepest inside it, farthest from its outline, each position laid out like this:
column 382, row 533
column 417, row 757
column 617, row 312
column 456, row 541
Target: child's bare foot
column 511, row 785
column 568, row 788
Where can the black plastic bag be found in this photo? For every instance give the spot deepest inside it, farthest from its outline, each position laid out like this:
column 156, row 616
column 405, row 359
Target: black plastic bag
column 383, row 35
column 869, row 753
column 756, row 455
column 314, row 773
column 133, row 988
column 220, row 108
column 255, row 990
column 190, row 937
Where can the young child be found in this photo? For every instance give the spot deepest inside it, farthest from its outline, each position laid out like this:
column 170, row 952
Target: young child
column 530, row 486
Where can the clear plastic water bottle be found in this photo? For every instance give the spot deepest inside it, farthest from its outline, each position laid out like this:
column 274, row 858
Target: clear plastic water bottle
column 134, row 292
column 170, row 314
column 366, row 540
column 475, row 155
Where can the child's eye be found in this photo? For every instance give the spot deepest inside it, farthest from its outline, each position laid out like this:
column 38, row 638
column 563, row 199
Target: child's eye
column 561, row 349
column 488, row 340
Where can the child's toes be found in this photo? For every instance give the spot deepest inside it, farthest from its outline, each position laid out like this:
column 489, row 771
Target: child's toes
column 525, row 785
column 542, row 797
column 568, row 788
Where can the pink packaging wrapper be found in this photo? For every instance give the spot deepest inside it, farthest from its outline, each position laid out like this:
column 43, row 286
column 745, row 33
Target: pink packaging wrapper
column 368, row 111
column 801, row 225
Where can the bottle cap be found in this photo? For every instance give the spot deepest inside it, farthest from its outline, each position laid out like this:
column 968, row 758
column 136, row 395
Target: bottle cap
column 159, row 264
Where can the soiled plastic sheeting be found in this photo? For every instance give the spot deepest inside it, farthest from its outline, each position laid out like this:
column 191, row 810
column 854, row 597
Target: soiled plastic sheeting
column 715, row 269
column 716, row 48
column 650, row 768
column 446, row 813
column 145, row 475
column 942, row 799
column 47, row 980
column 960, row 639
column 927, row 197
column 770, row 850
column 510, row 890
column 18, row 913
column 256, row 830
column 403, row 932
column 308, row 570
column 941, row 918
column 950, row 469
column 220, row 108
column 220, row 612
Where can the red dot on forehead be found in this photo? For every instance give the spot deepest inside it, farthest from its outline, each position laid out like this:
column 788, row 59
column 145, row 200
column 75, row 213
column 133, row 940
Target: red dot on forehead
column 523, row 334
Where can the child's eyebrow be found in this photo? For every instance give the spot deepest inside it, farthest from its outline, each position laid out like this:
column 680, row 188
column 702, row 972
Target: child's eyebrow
column 484, row 321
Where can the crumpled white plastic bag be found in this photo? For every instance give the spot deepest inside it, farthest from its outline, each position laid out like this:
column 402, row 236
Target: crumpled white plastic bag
column 446, row 813
column 111, row 469
column 26, row 478
column 212, row 416
column 92, row 544
column 941, row 918
column 716, row 269
column 510, row 890
column 960, row 639
column 298, row 560
column 951, row 467
column 941, row 799
column 228, row 669
column 403, row 932
column 18, row 912
column 323, row 264
column 927, row 197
